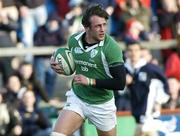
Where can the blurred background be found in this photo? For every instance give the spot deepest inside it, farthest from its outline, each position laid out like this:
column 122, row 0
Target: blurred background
column 32, row 94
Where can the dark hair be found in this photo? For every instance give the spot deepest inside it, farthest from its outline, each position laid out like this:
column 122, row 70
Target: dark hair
column 133, row 42
column 93, row 10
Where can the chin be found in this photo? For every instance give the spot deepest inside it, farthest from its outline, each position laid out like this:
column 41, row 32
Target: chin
column 101, row 38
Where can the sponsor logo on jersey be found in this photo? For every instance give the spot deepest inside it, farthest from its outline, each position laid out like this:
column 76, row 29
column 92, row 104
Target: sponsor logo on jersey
column 78, row 50
column 93, row 53
column 85, row 63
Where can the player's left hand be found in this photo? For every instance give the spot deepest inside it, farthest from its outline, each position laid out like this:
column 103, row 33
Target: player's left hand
column 56, row 66
column 80, row 79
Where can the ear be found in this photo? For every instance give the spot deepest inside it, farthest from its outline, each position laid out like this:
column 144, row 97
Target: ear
column 86, row 28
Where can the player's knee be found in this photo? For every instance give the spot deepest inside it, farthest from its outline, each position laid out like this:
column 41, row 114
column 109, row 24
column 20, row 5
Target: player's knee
column 57, row 134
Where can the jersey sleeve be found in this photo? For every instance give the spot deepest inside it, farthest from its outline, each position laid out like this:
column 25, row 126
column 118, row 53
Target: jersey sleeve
column 72, row 41
column 113, row 53
column 69, row 43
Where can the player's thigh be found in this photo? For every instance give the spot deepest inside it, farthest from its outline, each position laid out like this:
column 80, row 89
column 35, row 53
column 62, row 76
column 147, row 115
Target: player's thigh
column 103, row 116
column 68, row 122
column 111, row 132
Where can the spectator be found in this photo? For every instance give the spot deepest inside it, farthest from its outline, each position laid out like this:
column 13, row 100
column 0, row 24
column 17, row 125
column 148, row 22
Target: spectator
column 166, row 17
column 172, row 71
column 147, row 55
column 50, row 34
column 28, row 79
column 134, row 10
column 121, row 4
column 177, row 19
column 62, row 8
column 14, row 90
column 10, row 123
column 166, row 13
column 173, row 63
column 7, row 26
column 135, row 31
column 147, row 85
column 74, row 16
column 174, row 90
column 34, row 122
column 117, row 24
column 172, row 66
column 31, row 15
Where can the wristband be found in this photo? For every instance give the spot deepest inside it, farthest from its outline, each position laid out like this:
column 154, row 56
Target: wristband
column 91, row 81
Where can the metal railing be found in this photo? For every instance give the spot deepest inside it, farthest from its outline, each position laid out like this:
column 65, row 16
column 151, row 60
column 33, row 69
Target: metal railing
column 15, row 51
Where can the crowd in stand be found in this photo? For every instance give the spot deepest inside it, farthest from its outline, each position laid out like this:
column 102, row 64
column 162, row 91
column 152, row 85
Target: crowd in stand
column 27, row 80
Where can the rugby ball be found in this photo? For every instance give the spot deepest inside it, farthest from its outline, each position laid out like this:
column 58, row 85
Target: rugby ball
column 64, row 58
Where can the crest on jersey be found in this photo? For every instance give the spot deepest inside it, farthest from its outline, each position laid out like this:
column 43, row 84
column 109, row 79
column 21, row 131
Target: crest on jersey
column 142, row 76
column 93, row 53
column 78, row 50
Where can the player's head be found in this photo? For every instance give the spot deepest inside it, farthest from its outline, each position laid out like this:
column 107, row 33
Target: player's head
column 95, row 22
column 94, row 10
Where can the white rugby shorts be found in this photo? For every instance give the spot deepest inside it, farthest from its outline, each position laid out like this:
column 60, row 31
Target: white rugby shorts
column 103, row 116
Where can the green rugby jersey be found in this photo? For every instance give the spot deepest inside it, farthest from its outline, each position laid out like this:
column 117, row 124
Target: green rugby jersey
column 94, row 62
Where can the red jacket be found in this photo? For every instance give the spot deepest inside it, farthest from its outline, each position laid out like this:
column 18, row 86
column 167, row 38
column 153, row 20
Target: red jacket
column 173, row 66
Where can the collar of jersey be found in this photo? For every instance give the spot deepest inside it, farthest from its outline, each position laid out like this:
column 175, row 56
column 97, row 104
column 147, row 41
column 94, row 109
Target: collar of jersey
column 78, row 37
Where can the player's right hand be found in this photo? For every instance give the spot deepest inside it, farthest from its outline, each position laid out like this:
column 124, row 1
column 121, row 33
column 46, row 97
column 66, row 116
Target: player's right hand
column 56, row 66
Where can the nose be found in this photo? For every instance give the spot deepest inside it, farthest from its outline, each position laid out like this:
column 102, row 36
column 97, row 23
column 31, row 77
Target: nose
column 102, row 28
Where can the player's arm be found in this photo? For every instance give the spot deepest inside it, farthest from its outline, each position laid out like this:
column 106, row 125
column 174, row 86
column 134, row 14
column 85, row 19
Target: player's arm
column 117, row 82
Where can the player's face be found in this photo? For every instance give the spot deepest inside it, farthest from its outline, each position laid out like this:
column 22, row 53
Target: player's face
column 97, row 29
